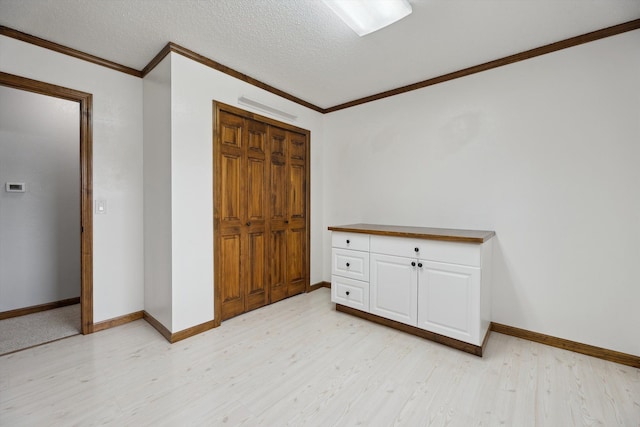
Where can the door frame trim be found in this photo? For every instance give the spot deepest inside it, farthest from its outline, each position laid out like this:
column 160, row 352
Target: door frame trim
column 217, row 108
column 86, row 180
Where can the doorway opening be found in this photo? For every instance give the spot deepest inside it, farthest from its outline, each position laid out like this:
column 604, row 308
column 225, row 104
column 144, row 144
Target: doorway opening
column 85, row 148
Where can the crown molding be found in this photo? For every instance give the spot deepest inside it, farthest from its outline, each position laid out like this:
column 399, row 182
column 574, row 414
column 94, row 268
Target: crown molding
column 19, row 35
column 511, row 59
column 173, row 47
column 176, row 48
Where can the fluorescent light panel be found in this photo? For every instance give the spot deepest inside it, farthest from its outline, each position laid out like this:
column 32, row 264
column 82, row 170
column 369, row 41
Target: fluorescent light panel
column 367, row 16
column 243, row 100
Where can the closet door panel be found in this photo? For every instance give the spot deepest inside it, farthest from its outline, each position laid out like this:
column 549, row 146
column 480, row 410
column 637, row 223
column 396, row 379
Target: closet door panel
column 256, row 215
column 297, row 193
column 296, row 256
column 257, row 138
column 297, row 213
column 229, row 214
column 231, row 127
column 256, row 177
column 278, row 265
column 277, row 195
column 277, row 142
column 297, row 146
column 232, row 189
column 256, row 183
column 256, row 268
column 231, row 275
column 277, row 176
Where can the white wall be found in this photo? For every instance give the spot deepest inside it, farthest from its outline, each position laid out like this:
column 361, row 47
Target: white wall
column 40, row 228
column 194, row 87
column 117, row 167
column 157, row 193
column 545, row 152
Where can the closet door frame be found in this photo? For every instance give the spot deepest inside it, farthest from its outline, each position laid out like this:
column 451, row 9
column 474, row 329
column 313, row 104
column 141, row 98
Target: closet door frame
column 217, row 108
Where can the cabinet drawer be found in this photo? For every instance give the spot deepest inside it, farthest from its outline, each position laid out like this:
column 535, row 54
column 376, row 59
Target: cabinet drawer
column 355, row 241
column 353, row 264
column 432, row 250
column 349, row 292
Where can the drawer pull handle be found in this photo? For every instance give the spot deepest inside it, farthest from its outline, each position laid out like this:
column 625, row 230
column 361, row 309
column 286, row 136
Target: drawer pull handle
column 248, row 224
column 348, row 241
column 413, row 263
column 420, row 264
column 417, row 249
column 347, row 293
column 347, row 264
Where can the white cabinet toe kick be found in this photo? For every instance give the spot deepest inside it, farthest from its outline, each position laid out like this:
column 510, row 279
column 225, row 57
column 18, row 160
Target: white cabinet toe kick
column 430, row 282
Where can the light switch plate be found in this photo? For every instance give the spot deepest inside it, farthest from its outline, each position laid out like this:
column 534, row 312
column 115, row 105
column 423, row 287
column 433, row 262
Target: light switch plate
column 101, row 207
column 15, row 187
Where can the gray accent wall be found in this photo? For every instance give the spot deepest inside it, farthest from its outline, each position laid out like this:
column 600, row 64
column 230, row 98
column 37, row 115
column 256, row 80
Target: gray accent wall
column 40, row 227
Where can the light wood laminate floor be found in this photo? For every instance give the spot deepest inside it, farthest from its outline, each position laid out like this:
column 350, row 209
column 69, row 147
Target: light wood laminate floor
column 298, row 362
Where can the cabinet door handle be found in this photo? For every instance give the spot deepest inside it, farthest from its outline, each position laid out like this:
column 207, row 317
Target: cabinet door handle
column 348, row 241
column 347, row 293
column 420, row 264
column 347, row 264
column 249, row 224
column 286, row 221
column 413, row 263
column 417, row 249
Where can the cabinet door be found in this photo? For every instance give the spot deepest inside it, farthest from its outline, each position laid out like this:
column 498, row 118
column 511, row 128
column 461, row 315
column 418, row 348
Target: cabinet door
column 449, row 300
column 393, row 288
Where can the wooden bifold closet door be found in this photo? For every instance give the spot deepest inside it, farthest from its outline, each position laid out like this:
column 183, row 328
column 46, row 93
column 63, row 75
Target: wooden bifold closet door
column 261, row 218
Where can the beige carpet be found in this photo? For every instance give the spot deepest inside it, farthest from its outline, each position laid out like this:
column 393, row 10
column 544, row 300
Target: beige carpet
column 18, row 333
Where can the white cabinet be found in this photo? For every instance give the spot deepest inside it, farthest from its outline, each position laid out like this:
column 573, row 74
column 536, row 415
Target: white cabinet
column 433, row 285
column 393, row 288
column 439, row 297
column 437, row 282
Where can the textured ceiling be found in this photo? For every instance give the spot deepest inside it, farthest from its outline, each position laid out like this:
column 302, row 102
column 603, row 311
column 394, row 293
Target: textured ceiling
column 300, row 47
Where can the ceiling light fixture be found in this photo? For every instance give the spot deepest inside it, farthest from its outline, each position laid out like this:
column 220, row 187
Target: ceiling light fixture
column 367, row 16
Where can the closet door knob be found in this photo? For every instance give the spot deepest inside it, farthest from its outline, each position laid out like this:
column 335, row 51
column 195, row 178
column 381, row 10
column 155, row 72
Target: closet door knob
column 249, row 224
column 413, row 263
column 347, row 264
column 417, row 249
column 420, row 264
column 348, row 241
column 347, row 293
